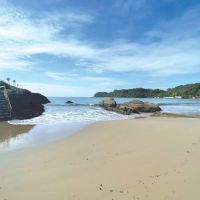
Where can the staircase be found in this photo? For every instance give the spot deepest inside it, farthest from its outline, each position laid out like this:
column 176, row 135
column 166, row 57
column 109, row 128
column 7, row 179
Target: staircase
column 5, row 107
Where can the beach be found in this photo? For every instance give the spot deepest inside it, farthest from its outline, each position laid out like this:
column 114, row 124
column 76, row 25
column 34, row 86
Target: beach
column 8, row 131
column 151, row 158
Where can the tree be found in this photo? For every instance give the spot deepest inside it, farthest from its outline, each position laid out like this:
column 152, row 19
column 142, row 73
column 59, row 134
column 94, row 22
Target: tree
column 8, row 79
column 14, row 82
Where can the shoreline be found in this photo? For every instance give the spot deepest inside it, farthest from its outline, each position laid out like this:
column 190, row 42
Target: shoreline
column 9, row 131
column 151, row 158
column 13, row 133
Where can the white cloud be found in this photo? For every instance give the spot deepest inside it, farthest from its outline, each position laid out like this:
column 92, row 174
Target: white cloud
column 169, row 50
column 22, row 35
column 59, row 90
column 98, row 81
column 160, row 58
column 61, row 76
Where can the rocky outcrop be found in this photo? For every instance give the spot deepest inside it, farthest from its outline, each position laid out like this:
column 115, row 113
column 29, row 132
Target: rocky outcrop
column 129, row 107
column 24, row 103
column 69, row 102
column 27, row 105
column 108, row 102
column 139, row 106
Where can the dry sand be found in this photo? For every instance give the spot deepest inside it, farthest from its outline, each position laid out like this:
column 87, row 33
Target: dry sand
column 149, row 159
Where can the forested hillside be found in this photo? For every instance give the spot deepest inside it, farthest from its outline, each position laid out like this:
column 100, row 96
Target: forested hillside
column 185, row 91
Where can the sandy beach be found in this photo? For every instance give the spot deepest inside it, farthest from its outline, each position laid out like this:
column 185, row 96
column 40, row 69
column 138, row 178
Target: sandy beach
column 8, row 131
column 143, row 159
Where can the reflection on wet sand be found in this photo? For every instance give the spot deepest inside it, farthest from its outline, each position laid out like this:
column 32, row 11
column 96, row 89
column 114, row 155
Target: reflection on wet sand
column 9, row 131
column 14, row 137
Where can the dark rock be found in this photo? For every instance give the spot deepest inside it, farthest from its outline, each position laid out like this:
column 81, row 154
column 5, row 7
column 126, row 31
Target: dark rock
column 69, row 102
column 139, row 106
column 26, row 104
column 108, row 102
column 129, row 107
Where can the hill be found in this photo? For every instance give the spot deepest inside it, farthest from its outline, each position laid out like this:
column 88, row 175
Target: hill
column 185, row 91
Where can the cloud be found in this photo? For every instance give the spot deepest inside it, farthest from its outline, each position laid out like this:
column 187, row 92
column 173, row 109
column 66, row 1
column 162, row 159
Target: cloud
column 23, row 35
column 161, row 58
column 99, row 81
column 169, row 49
column 59, row 90
column 68, row 91
column 61, row 76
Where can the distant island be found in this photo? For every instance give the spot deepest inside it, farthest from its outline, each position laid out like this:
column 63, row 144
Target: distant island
column 182, row 91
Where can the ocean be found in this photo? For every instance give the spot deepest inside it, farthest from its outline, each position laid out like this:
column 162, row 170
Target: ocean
column 61, row 120
column 86, row 109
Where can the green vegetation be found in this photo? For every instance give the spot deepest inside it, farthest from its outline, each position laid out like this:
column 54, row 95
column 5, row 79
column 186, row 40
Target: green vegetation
column 2, row 83
column 185, row 91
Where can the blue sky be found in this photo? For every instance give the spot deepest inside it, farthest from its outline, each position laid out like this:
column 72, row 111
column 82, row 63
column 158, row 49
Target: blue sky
column 79, row 47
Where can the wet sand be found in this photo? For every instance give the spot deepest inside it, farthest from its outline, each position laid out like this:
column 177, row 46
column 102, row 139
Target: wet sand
column 153, row 158
column 8, row 131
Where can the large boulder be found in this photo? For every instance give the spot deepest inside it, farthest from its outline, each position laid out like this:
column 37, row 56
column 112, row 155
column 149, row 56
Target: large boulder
column 69, row 102
column 26, row 104
column 129, row 107
column 108, row 102
column 139, row 106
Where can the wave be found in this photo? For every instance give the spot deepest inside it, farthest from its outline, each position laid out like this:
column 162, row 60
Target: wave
column 58, row 115
column 71, row 105
column 89, row 111
column 178, row 104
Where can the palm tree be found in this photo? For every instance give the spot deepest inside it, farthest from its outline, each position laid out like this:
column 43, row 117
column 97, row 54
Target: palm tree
column 14, row 82
column 8, row 79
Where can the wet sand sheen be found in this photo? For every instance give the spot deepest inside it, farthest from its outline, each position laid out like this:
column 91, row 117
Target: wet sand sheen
column 9, row 131
column 154, row 158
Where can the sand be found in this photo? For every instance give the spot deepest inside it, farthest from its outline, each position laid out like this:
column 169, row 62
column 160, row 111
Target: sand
column 150, row 159
column 8, row 131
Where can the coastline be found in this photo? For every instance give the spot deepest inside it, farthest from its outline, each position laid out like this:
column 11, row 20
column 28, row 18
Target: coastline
column 150, row 158
column 8, row 131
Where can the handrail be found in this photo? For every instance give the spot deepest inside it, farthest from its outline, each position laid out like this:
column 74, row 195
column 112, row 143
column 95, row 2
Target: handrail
column 7, row 98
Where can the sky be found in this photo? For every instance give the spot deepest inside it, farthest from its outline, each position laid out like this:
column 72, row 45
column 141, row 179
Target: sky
column 79, row 47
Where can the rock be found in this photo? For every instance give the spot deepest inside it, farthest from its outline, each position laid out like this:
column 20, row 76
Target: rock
column 108, row 102
column 129, row 107
column 139, row 106
column 69, row 102
column 25, row 104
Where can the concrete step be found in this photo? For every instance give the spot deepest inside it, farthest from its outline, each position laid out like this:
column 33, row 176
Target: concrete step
column 5, row 113
column 5, row 119
column 3, row 105
column 4, row 116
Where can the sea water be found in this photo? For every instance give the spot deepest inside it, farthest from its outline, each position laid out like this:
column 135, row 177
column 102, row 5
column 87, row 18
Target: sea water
column 61, row 120
column 87, row 109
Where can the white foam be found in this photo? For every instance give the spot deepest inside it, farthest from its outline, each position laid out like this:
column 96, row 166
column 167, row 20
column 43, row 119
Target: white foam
column 74, row 114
